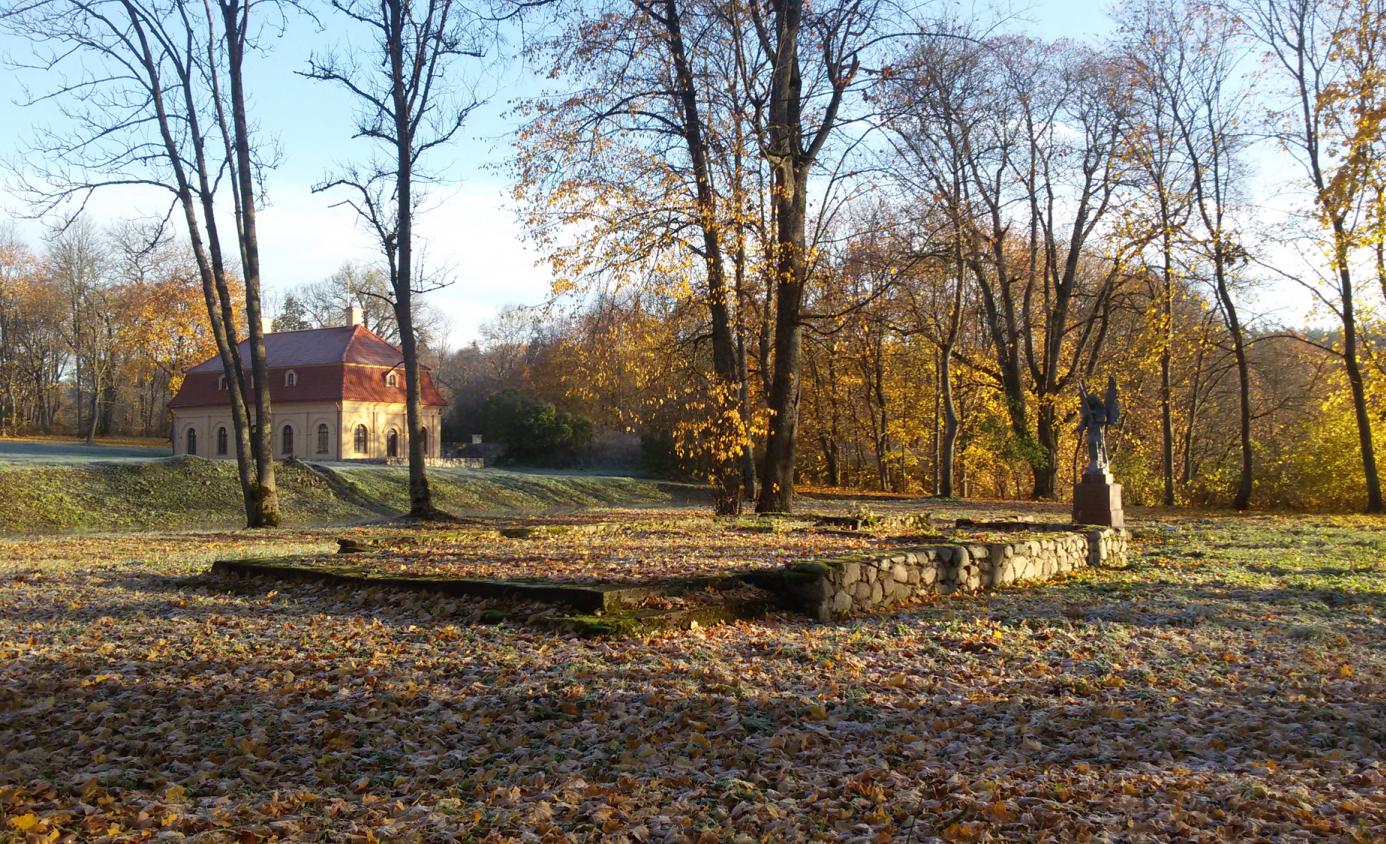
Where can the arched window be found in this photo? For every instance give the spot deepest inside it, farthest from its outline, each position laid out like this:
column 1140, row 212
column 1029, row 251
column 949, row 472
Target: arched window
column 391, row 379
column 359, row 439
column 392, row 443
column 323, row 436
column 221, row 382
column 290, row 379
column 288, row 440
column 192, row 441
column 221, row 441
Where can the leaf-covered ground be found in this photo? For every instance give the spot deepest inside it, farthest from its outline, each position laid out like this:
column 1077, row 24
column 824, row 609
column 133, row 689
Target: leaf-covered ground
column 633, row 545
column 1228, row 686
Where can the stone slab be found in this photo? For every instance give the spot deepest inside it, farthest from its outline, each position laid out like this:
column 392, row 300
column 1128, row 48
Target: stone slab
column 582, row 596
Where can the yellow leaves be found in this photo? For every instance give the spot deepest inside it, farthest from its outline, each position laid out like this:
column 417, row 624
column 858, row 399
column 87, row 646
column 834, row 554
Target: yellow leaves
column 1346, row 671
column 713, row 430
column 867, row 785
column 817, row 712
column 25, row 823
column 964, row 831
column 1000, row 811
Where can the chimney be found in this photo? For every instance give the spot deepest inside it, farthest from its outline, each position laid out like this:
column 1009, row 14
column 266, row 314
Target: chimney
column 266, row 325
column 356, row 316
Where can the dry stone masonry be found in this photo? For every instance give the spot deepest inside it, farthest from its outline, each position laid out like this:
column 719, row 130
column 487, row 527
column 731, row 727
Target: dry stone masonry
column 977, row 561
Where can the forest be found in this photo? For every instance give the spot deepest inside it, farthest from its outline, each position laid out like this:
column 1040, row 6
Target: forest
column 856, row 246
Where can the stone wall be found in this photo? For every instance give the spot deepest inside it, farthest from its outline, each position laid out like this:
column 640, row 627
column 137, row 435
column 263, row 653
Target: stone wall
column 841, row 586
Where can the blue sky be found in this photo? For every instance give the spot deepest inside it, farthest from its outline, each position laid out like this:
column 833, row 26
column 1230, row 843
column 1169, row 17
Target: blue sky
column 468, row 225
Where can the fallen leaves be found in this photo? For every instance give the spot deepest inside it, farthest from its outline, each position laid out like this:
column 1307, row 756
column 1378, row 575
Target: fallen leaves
column 25, row 823
column 139, row 698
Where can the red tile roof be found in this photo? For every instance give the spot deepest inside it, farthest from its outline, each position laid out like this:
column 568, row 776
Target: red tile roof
column 340, row 344
column 331, row 364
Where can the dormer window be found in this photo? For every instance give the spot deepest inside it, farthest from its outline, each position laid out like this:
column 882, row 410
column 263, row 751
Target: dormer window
column 391, row 379
column 221, row 382
column 291, row 379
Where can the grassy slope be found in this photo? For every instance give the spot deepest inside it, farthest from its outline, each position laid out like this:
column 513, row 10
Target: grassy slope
column 495, row 490
column 184, row 493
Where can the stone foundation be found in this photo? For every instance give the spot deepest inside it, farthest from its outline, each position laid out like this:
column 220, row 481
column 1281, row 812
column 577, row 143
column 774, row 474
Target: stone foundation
column 840, row 586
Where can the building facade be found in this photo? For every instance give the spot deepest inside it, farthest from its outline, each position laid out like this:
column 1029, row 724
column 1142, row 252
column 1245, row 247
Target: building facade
column 335, row 393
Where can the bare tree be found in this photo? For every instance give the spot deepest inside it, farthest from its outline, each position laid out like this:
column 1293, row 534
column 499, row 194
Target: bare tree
column 1186, row 64
column 140, row 88
column 933, row 100
column 1026, row 142
column 326, row 302
column 1155, row 145
column 409, row 102
column 77, row 262
column 1209, row 111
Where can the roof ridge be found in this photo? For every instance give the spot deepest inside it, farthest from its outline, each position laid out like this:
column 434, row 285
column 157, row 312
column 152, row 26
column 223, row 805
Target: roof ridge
column 301, row 331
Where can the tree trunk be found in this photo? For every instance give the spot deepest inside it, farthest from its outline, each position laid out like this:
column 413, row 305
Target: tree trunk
column 777, row 488
column 1045, row 467
column 215, row 293
column 748, row 456
column 266, row 501
column 94, row 416
column 790, row 160
column 1166, row 355
column 420, row 496
column 1242, row 499
column 830, row 460
column 729, row 471
column 948, row 446
column 1354, row 370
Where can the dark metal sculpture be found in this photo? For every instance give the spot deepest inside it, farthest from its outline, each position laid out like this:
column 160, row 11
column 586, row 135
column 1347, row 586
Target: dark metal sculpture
column 1096, row 414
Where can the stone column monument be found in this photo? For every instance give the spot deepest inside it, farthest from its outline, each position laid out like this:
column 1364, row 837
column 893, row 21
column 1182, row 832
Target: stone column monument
column 1097, row 497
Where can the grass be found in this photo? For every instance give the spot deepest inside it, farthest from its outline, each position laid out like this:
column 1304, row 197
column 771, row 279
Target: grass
column 171, row 493
column 499, row 490
column 1226, row 686
column 193, row 493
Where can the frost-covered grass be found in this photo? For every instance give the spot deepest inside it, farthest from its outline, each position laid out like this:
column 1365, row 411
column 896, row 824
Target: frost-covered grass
column 29, row 451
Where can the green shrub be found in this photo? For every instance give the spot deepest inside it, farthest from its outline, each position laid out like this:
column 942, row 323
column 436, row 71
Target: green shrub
column 535, row 432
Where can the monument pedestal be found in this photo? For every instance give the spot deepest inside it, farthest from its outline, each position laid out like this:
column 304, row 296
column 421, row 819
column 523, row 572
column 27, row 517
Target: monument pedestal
column 1097, row 501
